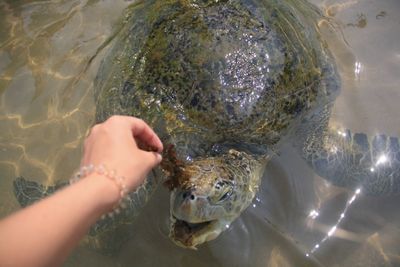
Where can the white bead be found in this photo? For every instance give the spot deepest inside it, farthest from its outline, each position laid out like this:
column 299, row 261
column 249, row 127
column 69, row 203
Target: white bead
column 84, row 170
column 100, row 169
column 90, row 168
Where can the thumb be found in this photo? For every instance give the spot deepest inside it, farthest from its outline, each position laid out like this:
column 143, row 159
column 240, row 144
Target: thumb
column 151, row 159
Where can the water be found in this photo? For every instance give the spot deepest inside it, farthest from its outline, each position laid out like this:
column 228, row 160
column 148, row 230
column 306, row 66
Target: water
column 47, row 106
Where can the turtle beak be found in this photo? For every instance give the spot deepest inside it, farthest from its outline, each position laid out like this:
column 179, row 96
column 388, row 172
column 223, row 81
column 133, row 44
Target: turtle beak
column 188, row 206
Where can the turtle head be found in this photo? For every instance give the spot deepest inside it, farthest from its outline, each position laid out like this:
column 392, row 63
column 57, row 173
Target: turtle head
column 210, row 194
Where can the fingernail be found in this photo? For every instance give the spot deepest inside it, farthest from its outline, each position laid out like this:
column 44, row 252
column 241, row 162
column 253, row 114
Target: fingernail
column 159, row 157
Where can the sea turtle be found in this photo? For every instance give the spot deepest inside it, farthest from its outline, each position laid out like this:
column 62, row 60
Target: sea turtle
column 224, row 83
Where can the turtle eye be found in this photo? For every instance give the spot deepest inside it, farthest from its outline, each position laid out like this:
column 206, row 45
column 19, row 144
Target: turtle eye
column 223, row 190
column 226, row 195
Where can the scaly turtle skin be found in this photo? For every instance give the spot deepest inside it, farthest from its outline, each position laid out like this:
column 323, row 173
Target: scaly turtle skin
column 223, row 83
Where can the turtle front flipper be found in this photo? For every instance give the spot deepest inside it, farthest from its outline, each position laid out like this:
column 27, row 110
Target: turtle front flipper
column 350, row 160
column 28, row 192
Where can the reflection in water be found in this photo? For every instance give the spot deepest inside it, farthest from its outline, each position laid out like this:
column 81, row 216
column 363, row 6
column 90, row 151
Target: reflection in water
column 382, row 159
column 357, row 70
column 47, row 105
column 314, row 214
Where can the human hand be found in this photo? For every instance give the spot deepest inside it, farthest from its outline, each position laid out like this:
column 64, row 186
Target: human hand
column 117, row 142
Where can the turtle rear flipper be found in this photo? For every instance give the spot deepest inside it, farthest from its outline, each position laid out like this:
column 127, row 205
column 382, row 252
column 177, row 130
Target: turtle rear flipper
column 28, row 192
column 350, row 160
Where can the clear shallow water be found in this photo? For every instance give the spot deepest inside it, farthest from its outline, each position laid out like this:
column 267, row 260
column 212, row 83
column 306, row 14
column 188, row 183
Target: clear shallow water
column 47, row 105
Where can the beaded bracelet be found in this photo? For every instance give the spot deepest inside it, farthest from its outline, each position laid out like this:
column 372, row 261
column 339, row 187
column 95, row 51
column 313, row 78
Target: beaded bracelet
column 112, row 175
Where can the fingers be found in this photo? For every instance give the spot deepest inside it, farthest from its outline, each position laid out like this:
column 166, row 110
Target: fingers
column 145, row 134
column 142, row 132
column 152, row 158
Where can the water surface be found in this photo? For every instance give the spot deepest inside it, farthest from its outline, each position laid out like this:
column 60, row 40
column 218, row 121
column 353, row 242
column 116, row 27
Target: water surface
column 297, row 219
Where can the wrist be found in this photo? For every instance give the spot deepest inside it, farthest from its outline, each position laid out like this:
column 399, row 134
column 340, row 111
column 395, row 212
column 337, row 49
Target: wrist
column 109, row 190
column 106, row 192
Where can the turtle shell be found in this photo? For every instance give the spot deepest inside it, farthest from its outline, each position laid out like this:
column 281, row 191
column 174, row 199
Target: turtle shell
column 215, row 71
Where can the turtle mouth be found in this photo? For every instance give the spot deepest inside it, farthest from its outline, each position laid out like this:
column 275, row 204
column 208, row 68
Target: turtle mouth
column 183, row 233
column 191, row 227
